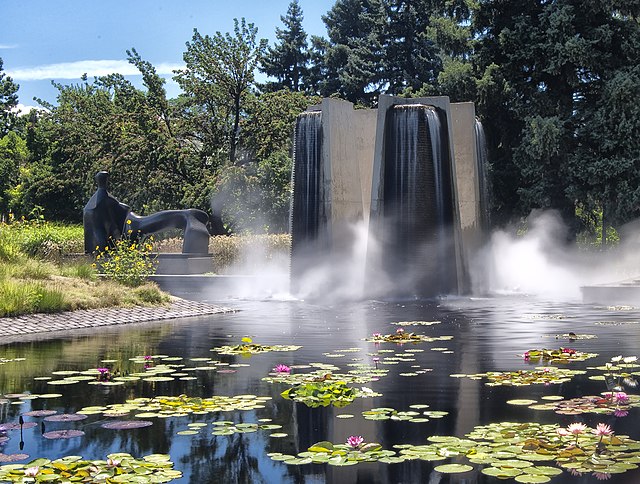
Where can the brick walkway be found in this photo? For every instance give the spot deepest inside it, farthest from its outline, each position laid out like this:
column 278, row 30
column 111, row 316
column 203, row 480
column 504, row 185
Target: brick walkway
column 89, row 318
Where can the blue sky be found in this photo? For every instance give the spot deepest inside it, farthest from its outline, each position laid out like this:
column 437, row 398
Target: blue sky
column 44, row 40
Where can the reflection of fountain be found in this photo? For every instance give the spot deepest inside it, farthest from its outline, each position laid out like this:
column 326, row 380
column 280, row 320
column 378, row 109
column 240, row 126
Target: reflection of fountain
column 412, row 172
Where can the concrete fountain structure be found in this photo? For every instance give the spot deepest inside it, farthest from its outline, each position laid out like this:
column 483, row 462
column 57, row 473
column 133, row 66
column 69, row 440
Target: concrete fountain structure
column 412, row 172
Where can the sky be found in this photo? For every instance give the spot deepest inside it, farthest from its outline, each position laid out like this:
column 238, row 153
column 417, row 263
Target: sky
column 45, row 40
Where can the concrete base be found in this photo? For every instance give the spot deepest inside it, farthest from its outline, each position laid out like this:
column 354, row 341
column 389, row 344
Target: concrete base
column 172, row 264
column 623, row 292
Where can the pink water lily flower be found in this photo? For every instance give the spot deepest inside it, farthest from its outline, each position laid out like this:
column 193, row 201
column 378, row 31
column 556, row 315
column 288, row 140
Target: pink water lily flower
column 576, row 428
column 621, row 397
column 31, row 471
column 282, row 369
column 400, row 330
column 602, row 429
column 355, row 441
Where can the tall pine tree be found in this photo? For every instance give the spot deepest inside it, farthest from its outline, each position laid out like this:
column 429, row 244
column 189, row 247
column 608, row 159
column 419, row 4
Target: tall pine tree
column 287, row 61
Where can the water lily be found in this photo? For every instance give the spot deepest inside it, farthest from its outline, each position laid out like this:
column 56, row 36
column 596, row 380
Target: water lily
column 602, row 429
column 377, row 335
column 568, row 351
column 31, row 471
column 576, row 428
column 104, row 374
column 280, row 368
column 355, row 441
column 621, row 397
column 400, row 330
column 630, row 359
column 526, row 355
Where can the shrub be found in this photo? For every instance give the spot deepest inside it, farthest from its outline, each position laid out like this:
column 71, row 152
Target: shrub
column 128, row 261
column 238, row 250
column 45, row 240
column 17, row 297
column 9, row 250
column 151, row 294
column 83, row 270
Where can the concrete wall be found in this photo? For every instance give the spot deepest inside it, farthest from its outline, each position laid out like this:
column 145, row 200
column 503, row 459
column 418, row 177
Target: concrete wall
column 348, row 157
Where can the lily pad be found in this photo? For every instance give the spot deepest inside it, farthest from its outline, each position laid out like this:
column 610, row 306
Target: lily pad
column 63, row 434
column 453, row 468
column 65, row 417
column 126, row 424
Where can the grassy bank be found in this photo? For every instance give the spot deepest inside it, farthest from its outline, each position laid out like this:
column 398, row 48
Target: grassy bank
column 33, row 279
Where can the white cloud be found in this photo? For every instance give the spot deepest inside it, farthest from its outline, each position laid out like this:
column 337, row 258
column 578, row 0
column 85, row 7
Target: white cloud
column 22, row 109
column 8, row 46
column 75, row 70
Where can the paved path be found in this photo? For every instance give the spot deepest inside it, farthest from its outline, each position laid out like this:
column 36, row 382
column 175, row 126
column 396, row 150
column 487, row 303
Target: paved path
column 89, row 318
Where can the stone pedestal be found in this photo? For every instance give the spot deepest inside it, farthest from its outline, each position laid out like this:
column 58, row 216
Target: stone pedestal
column 184, row 264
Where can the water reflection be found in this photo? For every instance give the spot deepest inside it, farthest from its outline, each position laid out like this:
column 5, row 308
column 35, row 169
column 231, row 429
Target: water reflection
column 488, row 335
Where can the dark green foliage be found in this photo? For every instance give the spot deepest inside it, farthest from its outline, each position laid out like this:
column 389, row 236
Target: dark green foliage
column 287, row 60
column 544, row 71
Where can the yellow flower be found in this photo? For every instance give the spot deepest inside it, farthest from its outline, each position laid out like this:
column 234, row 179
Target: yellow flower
column 94, row 265
column 129, row 231
column 128, row 222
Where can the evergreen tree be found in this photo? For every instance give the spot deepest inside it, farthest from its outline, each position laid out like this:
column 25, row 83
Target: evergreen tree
column 545, row 72
column 355, row 49
column 287, row 61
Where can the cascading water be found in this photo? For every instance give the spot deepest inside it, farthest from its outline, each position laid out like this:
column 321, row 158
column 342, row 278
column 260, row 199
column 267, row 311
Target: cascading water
column 308, row 217
column 482, row 159
column 416, row 230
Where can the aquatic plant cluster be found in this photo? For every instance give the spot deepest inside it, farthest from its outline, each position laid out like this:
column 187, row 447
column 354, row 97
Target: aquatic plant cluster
column 526, row 452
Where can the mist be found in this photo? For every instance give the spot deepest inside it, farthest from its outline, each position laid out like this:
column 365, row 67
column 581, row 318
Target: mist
column 541, row 263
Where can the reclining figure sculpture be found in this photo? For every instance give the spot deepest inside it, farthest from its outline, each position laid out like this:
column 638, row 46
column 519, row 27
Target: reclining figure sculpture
column 106, row 219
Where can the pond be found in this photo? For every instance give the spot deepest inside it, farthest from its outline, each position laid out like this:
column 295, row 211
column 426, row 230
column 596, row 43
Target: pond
column 411, row 394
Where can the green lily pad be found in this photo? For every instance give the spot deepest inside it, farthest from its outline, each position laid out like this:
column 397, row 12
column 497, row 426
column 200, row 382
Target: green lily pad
column 453, row 468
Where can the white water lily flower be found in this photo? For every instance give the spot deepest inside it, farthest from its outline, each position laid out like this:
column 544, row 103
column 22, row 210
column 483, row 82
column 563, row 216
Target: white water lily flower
column 630, row 359
column 616, row 359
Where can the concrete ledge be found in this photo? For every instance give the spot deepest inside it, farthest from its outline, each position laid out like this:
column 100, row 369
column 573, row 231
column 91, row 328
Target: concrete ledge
column 622, row 292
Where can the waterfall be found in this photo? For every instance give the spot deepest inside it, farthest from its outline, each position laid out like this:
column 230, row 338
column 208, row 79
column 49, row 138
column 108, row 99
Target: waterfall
column 483, row 177
column 308, row 224
column 417, row 228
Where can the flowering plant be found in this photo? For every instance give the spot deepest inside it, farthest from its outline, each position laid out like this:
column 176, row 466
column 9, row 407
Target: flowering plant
column 128, row 260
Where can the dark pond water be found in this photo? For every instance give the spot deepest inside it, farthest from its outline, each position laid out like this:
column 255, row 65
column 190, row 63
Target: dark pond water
column 488, row 334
